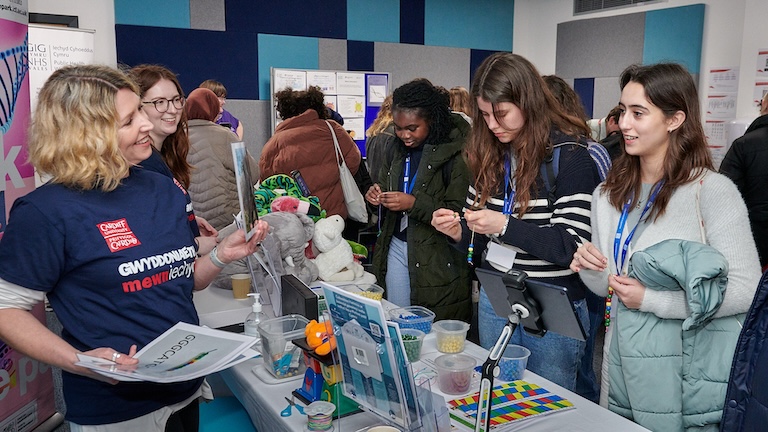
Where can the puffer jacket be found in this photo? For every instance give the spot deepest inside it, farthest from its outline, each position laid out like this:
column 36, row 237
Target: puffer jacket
column 438, row 272
column 213, row 187
column 746, row 406
column 671, row 375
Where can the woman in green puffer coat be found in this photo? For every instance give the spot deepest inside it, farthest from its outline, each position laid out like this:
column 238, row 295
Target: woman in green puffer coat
column 412, row 261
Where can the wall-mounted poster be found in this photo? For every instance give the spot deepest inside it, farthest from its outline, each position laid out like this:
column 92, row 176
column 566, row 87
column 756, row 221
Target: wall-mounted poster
column 356, row 96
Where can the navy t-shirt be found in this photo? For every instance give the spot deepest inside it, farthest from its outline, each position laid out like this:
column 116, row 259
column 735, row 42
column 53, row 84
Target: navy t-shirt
column 156, row 163
column 118, row 270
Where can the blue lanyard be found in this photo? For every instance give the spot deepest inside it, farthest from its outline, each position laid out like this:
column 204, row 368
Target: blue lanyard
column 509, row 195
column 407, row 184
column 622, row 223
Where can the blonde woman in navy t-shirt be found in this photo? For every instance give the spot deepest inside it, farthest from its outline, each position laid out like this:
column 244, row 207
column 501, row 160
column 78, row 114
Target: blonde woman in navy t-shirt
column 78, row 239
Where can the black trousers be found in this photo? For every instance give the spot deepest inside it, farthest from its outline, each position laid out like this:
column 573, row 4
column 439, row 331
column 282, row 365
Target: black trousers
column 186, row 419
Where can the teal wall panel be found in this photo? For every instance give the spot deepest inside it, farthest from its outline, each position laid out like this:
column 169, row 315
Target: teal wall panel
column 373, row 20
column 166, row 13
column 284, row 52
column 675, row 35
column 478, row 24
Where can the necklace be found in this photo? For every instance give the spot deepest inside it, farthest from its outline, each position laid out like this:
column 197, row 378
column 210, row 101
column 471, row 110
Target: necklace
column 471, row 248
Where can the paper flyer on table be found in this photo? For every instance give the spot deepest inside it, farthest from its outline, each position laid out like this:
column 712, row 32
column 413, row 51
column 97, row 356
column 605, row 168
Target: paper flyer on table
column 184, row 352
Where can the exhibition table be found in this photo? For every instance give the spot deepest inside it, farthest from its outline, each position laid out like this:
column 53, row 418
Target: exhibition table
column 264, row 397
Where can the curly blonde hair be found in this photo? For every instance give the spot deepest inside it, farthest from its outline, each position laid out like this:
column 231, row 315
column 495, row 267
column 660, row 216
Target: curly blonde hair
column 73, row 134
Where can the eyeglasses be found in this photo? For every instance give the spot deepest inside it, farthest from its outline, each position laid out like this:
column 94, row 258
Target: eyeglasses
column 162, row 104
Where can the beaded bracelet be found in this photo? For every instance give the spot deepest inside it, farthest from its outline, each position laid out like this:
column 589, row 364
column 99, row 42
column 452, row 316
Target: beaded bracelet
column 215, row 258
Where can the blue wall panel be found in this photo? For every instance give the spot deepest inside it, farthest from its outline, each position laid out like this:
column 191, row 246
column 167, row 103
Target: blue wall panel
column 166, row 13
column 196, row 55
column 412, row 21
column 284, row 52
column 480, row 24
column 313, row 18
column 675, row 35
column 585, row 87
column 360, row 56
column 373, row 20
column 476, row 58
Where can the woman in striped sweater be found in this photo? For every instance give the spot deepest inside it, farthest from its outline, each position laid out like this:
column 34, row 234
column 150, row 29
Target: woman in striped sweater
column 511, row 218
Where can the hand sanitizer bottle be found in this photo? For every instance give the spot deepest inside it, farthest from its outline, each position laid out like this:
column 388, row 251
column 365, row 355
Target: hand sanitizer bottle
column 255, row 317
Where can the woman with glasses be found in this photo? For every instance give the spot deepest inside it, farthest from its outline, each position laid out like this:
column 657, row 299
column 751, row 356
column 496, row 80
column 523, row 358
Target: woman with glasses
column 214, row 187
column 163, row 101
column 74, row 238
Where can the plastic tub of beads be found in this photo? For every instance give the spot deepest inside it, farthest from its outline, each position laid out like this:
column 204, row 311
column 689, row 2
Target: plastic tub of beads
column 417, row 317
column 412, row 341
column 451, row 335
column 454, row 373
column 513, row 362
column 372, row 291
column 282, row 358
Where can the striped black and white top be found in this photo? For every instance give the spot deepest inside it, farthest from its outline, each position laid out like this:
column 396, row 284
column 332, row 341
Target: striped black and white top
column 546, row 238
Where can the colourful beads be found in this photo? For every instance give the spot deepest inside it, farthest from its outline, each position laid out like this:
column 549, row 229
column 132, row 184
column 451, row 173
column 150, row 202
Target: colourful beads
column 608, row 300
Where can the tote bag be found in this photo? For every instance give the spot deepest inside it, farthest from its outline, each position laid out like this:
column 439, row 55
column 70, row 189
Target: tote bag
column 352, row 196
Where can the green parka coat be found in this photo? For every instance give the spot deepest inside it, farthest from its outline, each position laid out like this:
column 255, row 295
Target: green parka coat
column 439, row 273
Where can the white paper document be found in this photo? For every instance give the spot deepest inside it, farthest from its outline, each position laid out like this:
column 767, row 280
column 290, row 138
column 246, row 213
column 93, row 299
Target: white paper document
column 184, row 352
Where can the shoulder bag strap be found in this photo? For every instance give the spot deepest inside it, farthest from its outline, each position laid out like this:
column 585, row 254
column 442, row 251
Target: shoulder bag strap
column 336, row 145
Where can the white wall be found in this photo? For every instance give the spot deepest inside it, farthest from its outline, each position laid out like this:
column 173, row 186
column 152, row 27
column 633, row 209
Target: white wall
column 733, row 33
column 98, row 15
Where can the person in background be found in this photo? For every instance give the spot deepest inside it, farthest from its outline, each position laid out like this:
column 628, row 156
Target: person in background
column 586, row 382
column 303, row 142
column 413, row 264
column 213, row 187
column 74, row 238
column 745, row 163
column 225, row 118
column 662, row 211
column 517, row 122
column 612, row 140
column 380, row 140
column 164, row 99
column 460, row 102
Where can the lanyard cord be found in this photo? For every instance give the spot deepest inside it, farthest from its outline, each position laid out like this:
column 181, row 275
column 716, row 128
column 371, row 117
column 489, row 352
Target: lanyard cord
column 622, row 224
column 509, row 195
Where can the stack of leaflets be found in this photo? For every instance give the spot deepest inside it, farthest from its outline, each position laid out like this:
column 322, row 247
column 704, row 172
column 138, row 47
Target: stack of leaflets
column 184, row 352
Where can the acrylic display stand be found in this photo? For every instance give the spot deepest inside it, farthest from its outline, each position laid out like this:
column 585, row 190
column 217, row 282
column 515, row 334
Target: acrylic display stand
column 375, row 370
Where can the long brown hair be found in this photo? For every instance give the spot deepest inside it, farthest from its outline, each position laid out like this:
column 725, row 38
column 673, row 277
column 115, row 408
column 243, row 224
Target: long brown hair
column 507, row 77
column 175, row 147
column 669, row 87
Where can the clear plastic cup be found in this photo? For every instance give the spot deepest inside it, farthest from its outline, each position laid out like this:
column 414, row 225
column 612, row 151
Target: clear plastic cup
column 451, row 335
column 412, row 341
column 513, row 362
column 454, row 373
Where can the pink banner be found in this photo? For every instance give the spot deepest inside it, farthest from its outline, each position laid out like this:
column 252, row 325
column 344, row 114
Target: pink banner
column 26, row 385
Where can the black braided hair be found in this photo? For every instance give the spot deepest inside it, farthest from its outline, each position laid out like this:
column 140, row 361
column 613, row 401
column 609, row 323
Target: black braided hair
column 428, row 102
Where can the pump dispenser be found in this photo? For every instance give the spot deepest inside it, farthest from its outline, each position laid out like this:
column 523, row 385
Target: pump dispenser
column 255, row 317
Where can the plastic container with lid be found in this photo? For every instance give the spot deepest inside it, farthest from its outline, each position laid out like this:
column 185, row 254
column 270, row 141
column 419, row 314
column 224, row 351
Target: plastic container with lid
column 417, row 317
column 454, row 373
column 372, row 291
column 282, row 358
column 451, row 335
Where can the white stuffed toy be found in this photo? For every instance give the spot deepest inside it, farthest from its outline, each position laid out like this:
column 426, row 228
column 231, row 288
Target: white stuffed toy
column 335, row 261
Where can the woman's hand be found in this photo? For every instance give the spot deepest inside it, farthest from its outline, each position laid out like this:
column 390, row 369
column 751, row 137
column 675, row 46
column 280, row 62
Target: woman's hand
column 447, row 222
column 397, row 201
column 373, row 194
column 125, row 360
column 587, row 256
column 630, row 291
column 206, row 229
column 234, row 246
column 485, row 221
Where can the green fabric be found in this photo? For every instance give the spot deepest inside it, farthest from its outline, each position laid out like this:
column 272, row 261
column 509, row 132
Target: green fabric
column 666, row 374
column 439, row 274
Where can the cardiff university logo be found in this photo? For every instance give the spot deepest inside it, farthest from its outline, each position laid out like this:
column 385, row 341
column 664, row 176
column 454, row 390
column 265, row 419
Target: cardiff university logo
column 118, row 235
